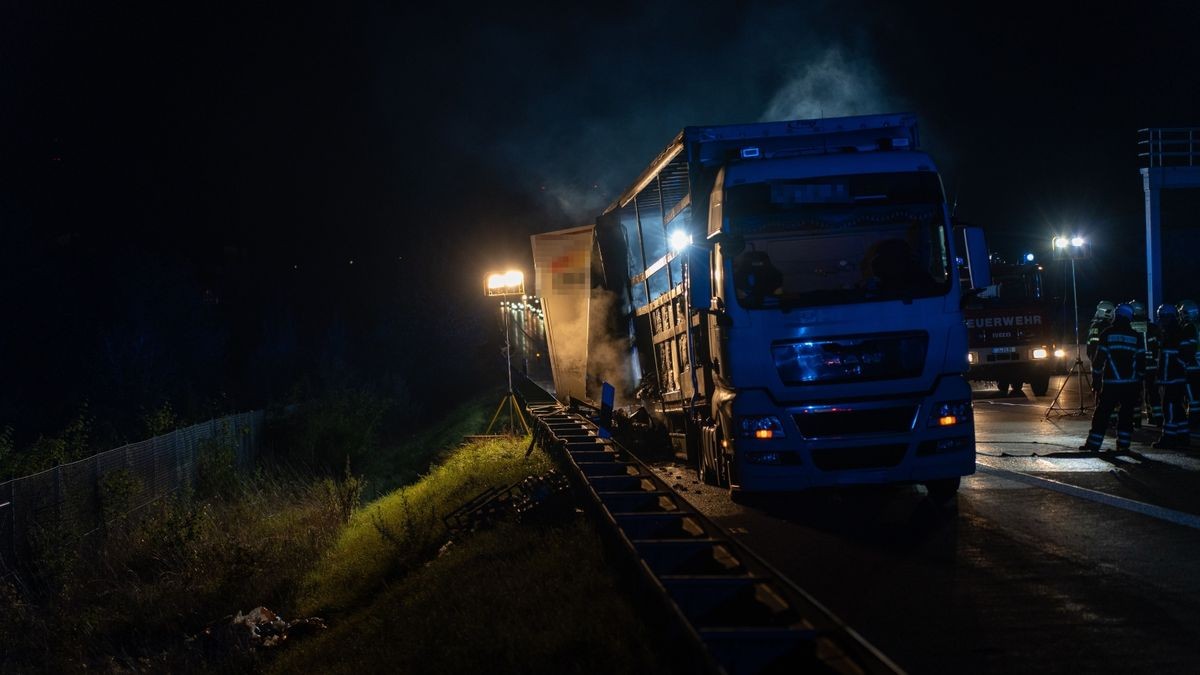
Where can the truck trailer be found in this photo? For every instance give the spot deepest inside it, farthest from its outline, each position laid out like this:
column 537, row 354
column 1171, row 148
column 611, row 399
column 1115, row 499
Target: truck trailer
column 783, row 297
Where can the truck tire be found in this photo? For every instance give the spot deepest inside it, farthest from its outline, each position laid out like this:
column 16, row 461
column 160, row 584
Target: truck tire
column 943, row 491
column 707, row 470
column 1040, row 385
column 1002, row 387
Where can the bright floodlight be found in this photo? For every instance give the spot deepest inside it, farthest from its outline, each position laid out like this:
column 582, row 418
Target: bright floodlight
column 1077, row 241
column 511, row 282
column 1061, row 242
column 679, row 240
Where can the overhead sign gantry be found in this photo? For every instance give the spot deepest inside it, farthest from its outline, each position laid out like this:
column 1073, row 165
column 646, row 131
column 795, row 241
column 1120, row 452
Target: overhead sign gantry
column 1172, row 160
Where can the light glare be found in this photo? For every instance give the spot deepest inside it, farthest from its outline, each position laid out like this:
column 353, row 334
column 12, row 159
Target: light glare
column 679, row 240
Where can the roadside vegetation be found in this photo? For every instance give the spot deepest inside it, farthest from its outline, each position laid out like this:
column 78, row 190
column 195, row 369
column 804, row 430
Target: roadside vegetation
column 155, row 590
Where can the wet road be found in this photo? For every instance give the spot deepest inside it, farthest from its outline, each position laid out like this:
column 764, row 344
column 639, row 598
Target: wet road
column 1055, row 560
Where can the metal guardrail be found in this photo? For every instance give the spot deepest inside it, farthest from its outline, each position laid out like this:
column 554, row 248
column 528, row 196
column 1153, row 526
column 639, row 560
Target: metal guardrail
column 1169, row 146
column 748, row 618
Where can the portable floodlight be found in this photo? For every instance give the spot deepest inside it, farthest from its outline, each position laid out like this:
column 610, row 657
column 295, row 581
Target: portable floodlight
column 503, row 285
column 1073, row 247
column 511, row 282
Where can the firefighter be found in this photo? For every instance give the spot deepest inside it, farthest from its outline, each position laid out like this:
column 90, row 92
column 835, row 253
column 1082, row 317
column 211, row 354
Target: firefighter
column 1189, row 318
column 1117, row 371
column 1178, row 349
column 1100, row 320
column 1152, row 404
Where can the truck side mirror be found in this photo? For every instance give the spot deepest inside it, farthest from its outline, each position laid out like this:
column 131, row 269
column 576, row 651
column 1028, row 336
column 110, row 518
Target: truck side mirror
column 977, row 256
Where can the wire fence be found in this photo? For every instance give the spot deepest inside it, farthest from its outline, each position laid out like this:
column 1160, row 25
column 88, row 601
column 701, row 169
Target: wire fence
column 67, row 498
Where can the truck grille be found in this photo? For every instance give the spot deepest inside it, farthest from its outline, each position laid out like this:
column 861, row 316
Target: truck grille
column 822, row 423
column 870, row 457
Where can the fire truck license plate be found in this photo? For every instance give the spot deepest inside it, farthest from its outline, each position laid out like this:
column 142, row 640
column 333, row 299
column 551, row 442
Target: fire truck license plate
column 1003, row 350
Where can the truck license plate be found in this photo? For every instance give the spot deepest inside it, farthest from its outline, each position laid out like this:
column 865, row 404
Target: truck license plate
column 1003, row 350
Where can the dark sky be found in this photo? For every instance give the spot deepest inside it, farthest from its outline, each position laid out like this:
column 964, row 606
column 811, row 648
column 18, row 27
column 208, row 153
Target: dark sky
column 258, row 148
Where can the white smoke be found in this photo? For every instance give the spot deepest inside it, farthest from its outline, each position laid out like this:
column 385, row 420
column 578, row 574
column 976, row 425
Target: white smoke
column 828, row 85
column 609, row 354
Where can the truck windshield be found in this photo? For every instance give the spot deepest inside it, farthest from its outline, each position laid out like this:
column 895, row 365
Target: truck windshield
column 837, row 239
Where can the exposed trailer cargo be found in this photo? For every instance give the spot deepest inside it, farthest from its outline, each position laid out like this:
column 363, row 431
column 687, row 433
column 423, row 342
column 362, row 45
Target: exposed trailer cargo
column 805, row 330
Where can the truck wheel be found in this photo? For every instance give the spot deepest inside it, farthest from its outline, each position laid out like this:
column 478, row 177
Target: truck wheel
column 706, row 464
column 943, row 490
column 1002, row 387
column 1040, row 385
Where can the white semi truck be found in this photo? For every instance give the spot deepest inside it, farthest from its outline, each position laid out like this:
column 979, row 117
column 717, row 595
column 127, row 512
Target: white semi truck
column 783, row 296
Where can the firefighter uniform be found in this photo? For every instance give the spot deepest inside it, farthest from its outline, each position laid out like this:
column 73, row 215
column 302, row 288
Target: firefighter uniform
column 1178, row 349
column 1152, row 406
column 1189, row 318
column 1100, row 320
column 1117, row 371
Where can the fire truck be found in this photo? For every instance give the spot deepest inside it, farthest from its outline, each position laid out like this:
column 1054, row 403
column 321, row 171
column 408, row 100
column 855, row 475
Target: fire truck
column 1011, row 330
column 782, row 297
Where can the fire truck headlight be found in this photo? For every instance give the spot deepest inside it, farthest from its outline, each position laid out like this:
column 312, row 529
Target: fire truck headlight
column 762, row 427
column 950, row 413
column 1040, row 353
column 1059, row 353
column 972, row 358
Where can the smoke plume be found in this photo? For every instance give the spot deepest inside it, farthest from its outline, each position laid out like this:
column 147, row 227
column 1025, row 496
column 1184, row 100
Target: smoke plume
column 828, row 85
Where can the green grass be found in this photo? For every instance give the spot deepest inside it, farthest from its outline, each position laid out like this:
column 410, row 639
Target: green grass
column 517, row 599
column 404, row 528
column 401, row 462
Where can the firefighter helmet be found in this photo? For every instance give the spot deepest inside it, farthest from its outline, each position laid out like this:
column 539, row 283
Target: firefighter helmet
column 1188, row 311
column 1139, row 310
column 1167, row 313
column 1104, row 311
column 1123, row 311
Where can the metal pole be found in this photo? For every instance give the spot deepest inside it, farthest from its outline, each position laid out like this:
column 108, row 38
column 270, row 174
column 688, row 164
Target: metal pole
column 507, row 348
column 1078, row 356
column 508, row 359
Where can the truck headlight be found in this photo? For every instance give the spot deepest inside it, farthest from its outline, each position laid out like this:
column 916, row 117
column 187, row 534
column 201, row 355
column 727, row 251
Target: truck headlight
column 972, row 357
column 950, row 413
column 1059, row 353
column 1040, row 353
column 762, row 426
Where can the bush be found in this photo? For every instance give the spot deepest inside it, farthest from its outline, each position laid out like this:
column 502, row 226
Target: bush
column 118, row 490
column 160, row 421
column 323, row 433
column 216, row 469
column 344, row 496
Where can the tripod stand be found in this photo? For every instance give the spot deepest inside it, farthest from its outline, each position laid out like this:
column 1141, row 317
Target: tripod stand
column 510, row 399
column 1078, row 371
column 1076, row 368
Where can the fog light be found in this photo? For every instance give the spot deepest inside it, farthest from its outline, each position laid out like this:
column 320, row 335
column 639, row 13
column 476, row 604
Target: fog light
column 1040, row 353
column 1059, row 353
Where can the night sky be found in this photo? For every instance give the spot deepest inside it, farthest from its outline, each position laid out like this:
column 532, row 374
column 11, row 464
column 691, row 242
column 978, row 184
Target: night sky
column 210, row 204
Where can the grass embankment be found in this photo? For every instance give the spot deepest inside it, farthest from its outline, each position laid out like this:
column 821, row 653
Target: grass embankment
column 139, row 598
column 514, row 599
column 141, row 594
